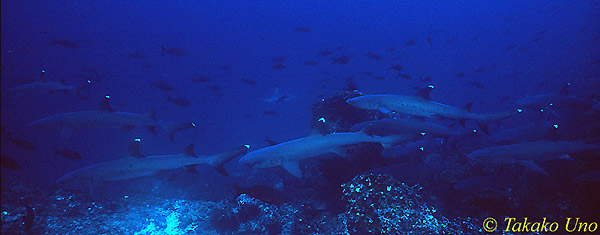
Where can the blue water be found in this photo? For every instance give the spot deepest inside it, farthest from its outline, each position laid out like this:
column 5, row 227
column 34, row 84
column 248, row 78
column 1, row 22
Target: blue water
column 513, row 49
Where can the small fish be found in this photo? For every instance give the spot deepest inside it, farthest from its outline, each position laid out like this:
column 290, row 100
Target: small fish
column 325, row 52
column 9, row 163
column 341, row 60
column 176, row 51
column 536, row 39
column 595, row 61
column 476, row 84
column 279, row 59
column 136, row 55
column 24, row 144
column 509, row 47
column 68, row 154
column 460, row 75
column 479, row 70
column 179, row 101
column 405, row 76
column 214, row 88
column 303, row 29
column 278, row 66
column 269, row 112
column 146, row 65
column 224, row 67
column 391, row 49
column 248, row 81
column 379, row 78
column 397, row 67
column 411, row 42
column 310, row 62
column 505, row 32
column 201, row 79
column 523, row 49
column 65, row 43
column 505, row 98
column 162, row 85
column 373, row 56
column 366, row 73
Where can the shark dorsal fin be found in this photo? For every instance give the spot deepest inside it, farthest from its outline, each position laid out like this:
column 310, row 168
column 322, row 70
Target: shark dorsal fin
column 468, row 106
column 134, row 149
column 42, row 77
column 189, row 151
column 424, row 93
column 105, row 105
column 565, row 89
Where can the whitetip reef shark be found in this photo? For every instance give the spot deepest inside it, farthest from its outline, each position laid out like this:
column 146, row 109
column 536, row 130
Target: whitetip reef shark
column 46, row 87
column 106, row 117
column 135, row 164
column 421, row 105
column 289, row 154
column 528, row 153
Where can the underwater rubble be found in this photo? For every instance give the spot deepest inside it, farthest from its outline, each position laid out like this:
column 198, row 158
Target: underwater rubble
column 375, row 204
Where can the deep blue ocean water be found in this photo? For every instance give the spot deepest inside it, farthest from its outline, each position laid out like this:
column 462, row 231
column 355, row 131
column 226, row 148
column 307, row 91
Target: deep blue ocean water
column 271, row 64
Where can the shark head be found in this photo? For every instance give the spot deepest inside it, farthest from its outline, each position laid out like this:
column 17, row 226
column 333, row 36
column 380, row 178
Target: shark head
column 369, row 102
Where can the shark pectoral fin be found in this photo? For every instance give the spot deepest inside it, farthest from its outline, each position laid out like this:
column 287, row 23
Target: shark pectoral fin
column 384, row 110
column 565, row 157
column 293, row 168
column 484, row 127
column 192, row 169
column 533, row 166
column 340, row 151
column 461, row 122
column 221, row 170
column 152, row 129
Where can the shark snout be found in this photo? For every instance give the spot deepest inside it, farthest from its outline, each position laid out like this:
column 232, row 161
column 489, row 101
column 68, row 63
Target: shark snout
column 247, row 161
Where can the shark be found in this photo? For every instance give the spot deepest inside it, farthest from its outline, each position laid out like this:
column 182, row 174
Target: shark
column 421, row 105
column 289, row 154
column 559, row 100
column 47, row 87
column 135, row 165
column 403, row 125
column 107, row 117
column 528, row 154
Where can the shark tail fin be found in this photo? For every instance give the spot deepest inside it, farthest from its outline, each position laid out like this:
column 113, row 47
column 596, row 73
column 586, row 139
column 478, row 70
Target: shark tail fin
column 164, row 50
column 173, row 127
column 217, row 161
column 56, row 152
